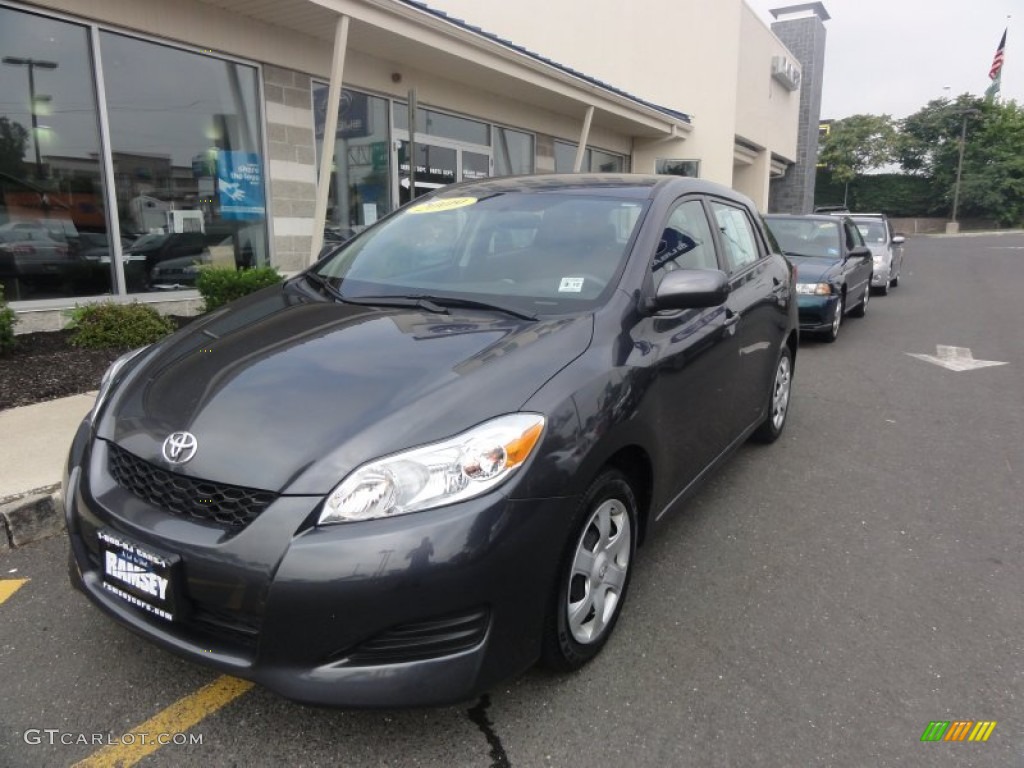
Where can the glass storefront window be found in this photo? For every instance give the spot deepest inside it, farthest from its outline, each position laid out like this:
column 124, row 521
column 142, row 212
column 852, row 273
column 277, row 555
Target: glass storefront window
column 433, row 123
column 513, row 152
column 53, row 226
column 678, row 167
column 594, row 160
column 188, row 162
column 360, row 180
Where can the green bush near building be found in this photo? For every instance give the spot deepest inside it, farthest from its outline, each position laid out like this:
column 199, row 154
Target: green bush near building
column 117, row 326
column 7, row 321
column 219, row 285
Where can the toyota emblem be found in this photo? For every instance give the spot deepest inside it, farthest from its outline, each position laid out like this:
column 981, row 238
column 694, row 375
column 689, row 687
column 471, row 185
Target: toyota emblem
column 179, row 447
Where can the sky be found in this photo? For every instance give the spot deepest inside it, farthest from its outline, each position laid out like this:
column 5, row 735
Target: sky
column 894, row 56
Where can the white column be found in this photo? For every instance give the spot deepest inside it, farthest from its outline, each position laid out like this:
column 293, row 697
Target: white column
column 584, row 136
column 330, row 131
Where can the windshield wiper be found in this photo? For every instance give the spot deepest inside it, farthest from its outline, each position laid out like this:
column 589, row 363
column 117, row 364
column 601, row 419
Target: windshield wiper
column 324, row 283
column 439, row 304
column 800, row 255
column 397, row 300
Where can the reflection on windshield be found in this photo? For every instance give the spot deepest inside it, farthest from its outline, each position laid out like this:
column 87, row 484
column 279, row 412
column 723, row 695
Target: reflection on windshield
column 538, row 253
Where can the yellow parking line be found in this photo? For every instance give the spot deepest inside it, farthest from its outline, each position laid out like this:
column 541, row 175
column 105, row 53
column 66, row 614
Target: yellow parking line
column 177, row 718
column 9, row 586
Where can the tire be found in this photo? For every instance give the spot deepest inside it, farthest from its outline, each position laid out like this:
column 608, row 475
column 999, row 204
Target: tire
column 778, row 400
column 895, row 281
column 883, row 290
column 862, row 309
column 837, row 320
column 594, row 574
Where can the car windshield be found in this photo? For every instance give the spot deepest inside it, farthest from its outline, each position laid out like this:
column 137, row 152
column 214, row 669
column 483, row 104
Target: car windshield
column 807, row 237
column 539, row 253
column 871, row 231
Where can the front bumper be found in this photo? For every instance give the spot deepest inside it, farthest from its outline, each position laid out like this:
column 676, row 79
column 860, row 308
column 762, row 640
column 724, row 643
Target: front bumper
column 881, row 275
column 424, row 609
column 816, row 313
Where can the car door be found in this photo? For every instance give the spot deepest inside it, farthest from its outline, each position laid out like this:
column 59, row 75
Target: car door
column 755, row 309
column 858, row 269
column 691, row 356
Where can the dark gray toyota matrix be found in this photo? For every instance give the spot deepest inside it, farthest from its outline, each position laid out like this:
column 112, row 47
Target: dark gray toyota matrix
column 427, row 462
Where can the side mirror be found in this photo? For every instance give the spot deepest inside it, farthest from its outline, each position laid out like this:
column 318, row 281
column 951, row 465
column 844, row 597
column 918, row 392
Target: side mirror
column 691, row 289
column 859, row 252
column 898, row 239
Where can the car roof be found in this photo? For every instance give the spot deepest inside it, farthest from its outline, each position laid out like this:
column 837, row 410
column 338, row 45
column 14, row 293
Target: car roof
column 641, row 186
column 827, row 217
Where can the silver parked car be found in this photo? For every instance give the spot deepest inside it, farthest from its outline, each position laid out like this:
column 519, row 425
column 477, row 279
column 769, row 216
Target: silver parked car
column 886, row 249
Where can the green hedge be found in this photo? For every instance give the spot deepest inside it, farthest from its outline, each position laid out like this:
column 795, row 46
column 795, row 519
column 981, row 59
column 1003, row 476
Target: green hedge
column 7, row 321
column 894, row 194
column 219, row 285
column 117, row 326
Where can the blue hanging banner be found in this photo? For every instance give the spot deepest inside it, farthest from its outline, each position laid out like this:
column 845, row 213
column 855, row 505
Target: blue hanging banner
column 240, row 185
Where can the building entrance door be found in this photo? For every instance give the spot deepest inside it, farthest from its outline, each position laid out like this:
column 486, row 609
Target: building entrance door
column 439, row 163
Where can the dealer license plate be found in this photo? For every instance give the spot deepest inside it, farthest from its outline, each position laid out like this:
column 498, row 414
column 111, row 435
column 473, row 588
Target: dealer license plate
column 139, row 575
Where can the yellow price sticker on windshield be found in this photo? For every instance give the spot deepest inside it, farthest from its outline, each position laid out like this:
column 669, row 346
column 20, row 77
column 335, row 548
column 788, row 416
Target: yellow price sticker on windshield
column 444, row 204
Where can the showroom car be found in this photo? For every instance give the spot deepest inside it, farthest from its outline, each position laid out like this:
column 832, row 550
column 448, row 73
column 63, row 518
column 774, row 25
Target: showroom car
column 428, row 461
column 834, row 268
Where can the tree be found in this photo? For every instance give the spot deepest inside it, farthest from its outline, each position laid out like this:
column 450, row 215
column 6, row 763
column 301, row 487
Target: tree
column 13, row 143
column 992, row 179
column 857, row 144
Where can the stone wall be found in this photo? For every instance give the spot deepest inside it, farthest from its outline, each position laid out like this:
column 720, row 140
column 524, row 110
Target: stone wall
column 292, row 166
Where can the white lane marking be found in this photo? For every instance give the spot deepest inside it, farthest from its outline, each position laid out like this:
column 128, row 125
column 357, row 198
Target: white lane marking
column 955, row 358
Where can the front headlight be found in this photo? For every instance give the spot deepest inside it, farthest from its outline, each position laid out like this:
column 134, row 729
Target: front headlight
column 107, row 382
column 457, row 469
column 817, row 289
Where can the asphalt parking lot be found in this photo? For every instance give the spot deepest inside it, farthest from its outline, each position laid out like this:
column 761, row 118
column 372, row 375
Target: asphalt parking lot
column 819, row 603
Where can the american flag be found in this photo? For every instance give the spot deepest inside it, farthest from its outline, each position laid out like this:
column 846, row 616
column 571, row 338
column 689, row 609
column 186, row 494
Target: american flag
column 997, row 60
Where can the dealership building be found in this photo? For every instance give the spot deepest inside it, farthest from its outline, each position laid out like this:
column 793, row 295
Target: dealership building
column 252, row 132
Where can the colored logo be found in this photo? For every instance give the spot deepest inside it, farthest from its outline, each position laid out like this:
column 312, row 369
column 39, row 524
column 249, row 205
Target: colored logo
column 958, row 730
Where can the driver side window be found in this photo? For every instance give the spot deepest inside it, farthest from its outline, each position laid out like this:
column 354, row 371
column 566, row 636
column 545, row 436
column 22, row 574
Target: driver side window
column 686, row 242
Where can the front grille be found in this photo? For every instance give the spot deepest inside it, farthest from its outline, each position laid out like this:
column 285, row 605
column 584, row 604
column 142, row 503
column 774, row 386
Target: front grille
column 229, row 506
column 421, row 640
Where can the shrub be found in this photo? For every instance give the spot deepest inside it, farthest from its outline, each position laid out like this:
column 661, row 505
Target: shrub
column 219, row 285
column 7, row 321
column 121, row 326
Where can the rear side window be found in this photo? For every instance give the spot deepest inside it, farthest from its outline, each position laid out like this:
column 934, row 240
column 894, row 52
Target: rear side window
column 736, row 234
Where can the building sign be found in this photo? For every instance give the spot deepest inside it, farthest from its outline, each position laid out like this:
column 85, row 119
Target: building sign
column 240, row 185
column 353, row 114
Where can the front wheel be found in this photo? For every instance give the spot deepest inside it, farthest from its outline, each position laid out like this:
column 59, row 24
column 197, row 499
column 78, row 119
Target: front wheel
column 778, row 400
column 594, row 574
column 862, row 309
column 837, row 319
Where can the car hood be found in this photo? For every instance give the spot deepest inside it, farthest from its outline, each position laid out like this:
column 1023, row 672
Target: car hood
column 288, row 392
column 879, row 249
column 815, row 270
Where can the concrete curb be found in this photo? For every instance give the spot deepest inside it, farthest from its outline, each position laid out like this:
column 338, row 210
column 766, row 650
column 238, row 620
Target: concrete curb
column 32, row 517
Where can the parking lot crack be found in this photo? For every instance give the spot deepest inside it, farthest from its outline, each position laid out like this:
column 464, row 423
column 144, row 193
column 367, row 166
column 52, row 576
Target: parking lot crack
column 478, row 714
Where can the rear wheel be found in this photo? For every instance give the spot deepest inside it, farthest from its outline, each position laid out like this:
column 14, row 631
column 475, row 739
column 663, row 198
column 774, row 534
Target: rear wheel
column 594, row 574
column 895, row 280
column 778, row 400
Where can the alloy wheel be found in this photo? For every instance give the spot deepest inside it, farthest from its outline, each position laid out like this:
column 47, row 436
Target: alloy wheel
column 599, row 570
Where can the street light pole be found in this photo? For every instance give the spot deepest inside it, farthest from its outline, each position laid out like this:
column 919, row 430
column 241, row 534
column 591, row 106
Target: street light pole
column 960, row 162
column 32, row 64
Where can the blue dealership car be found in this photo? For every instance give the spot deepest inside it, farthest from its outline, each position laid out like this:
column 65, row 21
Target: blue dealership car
column 834, row 268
